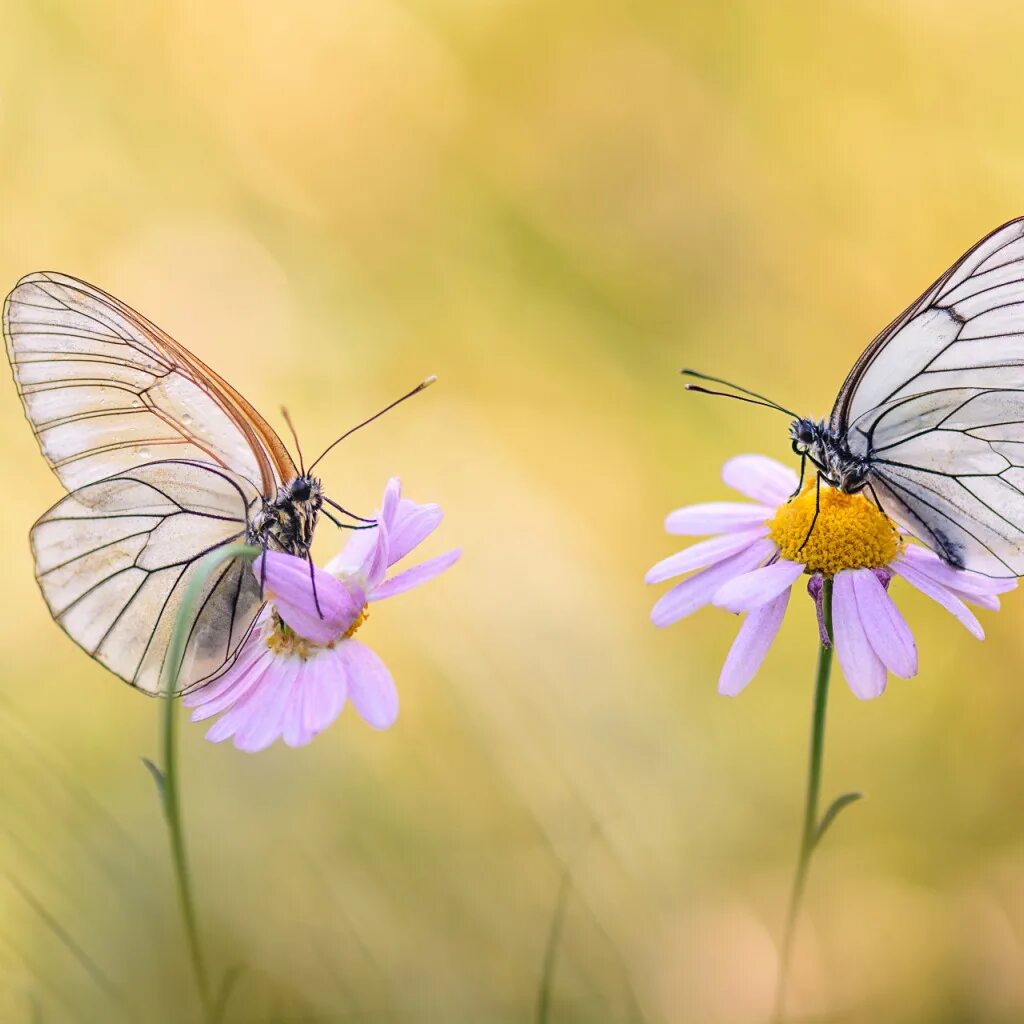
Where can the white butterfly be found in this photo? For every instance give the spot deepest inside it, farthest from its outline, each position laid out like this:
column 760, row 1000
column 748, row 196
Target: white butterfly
column 931, row 417
column 165, row 461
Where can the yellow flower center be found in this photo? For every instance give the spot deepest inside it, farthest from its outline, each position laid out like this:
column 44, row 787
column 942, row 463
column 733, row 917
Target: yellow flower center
column 282, row 639
column 851, row 532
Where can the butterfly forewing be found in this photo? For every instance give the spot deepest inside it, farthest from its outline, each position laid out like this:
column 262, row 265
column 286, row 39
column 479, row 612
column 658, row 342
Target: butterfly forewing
column 166, row 462
column 106, row 390
column 936, row 407
column 114, row 558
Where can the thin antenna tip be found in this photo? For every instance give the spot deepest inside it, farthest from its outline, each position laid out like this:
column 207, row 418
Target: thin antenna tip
column 432, row 379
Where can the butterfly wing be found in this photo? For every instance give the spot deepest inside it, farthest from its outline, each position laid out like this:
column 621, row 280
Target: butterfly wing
column 114, row 559
column 106, row 390
column 936, row 405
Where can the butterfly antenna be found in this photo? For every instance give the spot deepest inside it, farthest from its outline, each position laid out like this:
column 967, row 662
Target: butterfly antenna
column 754, row 398
column 359, row 426
column 295, row 438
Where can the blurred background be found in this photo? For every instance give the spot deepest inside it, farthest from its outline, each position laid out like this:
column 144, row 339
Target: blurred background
column 552, row 207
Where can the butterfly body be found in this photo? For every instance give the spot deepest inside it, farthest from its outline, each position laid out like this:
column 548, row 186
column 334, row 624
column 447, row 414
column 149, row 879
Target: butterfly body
column 831, row 455
column 287, row 521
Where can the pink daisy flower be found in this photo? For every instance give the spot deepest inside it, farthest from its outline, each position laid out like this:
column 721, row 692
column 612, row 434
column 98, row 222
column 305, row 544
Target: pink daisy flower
column 759, row 552
column 296, row 670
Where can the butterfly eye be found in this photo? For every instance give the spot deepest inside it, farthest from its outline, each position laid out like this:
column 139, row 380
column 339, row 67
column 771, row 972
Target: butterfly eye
column 300, row 490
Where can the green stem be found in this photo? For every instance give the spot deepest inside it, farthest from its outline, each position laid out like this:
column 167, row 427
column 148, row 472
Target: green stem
column 170, row 784
column 809, row 836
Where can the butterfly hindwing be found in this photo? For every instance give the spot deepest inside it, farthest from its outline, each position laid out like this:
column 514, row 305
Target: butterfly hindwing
column 115, row 557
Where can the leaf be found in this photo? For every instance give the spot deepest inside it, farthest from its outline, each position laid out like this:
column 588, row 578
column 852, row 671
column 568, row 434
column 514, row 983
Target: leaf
column 158, row 778
column 833, row 812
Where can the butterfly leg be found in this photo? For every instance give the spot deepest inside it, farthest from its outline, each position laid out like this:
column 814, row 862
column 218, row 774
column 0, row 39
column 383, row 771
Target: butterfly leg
column 263, row 571
column 877, row 500
column 800, row 485
column 312, row 580
column 345, row 511
column 348, row 526
column 817, row 508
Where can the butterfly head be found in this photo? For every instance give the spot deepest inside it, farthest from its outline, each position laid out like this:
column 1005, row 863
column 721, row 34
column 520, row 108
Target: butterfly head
column 806, row 436
column 305, row 490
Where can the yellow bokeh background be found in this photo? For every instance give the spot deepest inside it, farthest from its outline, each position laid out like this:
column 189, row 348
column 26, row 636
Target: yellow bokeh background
column 553, row 207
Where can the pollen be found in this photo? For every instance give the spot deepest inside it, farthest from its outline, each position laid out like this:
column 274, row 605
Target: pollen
column 851, row 532
column 363, row 616
column 280, row 638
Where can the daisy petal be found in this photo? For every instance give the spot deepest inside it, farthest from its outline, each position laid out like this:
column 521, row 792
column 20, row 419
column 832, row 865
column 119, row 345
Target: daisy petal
column 356, row 552
column 411, row 526
column 415, row 576
column 960, row 580
column 693, row 593
column 884, row 626
column 326, row 690
column 937, row 592
column 265, row 717
column 370, row 686
column 987, row 601
column 760, row 478
column 751, row 645
column 702, row 554
column 864, row 670
column 716, row 517
column 293, row 728
column 377, row 561
column 251, row 653
column 753, row 589
column 289, row 584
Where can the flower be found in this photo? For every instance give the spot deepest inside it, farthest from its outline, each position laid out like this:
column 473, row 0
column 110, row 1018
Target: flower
column 296, row 669
column 762, row 549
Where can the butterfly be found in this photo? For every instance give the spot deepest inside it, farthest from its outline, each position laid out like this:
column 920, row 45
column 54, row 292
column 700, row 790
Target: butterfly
column 164, row 462
column 930, row 420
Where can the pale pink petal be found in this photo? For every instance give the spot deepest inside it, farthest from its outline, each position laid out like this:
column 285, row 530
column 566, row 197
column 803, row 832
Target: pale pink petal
column 987, row 601
column 370, row 686
column 377, row 561
column 412, row 524
column 702, row 554
column 416, row 576
column 356, row 552
column 390, row 502
column 293, row 728
column 884, row 626
column 751, row 645
column 693, row 593
column 960, row 580
column 760, row 478
column 265, row 718
column 326, row 689
column 221, row 690
column 244, row 678
column 288, row 585
column 716, row 517
column 864, row 670
column 248, row 703
column 937, row 592
column 753, row 589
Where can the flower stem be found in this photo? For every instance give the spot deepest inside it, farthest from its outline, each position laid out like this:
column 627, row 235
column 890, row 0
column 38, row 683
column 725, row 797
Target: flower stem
column 168, row 775
column 812, row 827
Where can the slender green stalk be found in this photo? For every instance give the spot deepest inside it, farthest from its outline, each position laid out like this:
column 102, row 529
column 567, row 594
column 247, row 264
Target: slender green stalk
column 812, row 830
column 168, row 775
column 547, row 974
